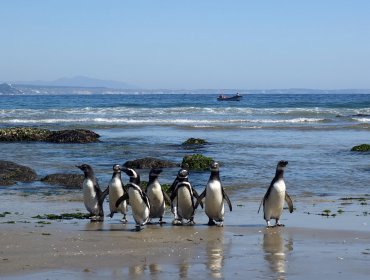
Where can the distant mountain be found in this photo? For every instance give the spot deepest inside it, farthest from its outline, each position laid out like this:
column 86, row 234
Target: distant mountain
column 79, row 81
column 9, row 89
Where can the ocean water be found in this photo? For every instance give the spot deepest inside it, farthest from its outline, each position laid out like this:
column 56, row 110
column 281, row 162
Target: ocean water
column 314, row 132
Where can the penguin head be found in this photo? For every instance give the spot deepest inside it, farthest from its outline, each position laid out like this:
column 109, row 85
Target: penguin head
column 281, row 165
column 214, row 167
column 134, row 176
column 116, row 168
column 183, row 174
column 154, row 172
column 87, row 169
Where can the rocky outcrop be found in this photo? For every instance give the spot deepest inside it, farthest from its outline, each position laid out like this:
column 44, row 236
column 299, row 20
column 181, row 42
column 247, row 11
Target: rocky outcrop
column 361, row 148
column 17, row 134
column 196, row 162
column 11, row 173
column 148, row 162
column 69, row 181
column 194, row 141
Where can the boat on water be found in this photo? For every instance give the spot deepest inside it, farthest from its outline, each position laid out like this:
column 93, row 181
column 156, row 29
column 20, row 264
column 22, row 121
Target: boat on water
column 235, row 97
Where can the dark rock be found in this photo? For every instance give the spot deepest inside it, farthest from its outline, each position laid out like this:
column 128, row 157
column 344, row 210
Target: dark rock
column 361, row 148
column 196, row 162
column 10, row 173
column 69, row 181
column 194, row 141
column 148, row 162
column 73, row 136
column 23, row 134
column 36, row 134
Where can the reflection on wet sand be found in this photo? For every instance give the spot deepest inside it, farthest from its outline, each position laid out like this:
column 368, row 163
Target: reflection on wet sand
column 276, row 248
column 215, row 254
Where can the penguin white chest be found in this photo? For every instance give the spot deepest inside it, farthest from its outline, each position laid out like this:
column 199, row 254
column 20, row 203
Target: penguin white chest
column 214, row 205
column 115, row 192
column 90, row 197
column 140, row 210
column 156, row 199
column 275, row 202
column 185, row 203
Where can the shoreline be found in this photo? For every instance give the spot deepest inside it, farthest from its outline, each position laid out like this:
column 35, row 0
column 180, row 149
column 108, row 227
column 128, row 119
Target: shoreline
column 337, row 247
column 98, row 249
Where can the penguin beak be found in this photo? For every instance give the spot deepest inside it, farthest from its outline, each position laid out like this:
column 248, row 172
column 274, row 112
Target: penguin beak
column 79, row 166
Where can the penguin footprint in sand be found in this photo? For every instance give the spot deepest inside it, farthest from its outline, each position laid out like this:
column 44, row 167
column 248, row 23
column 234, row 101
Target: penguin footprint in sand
column 273, row 201
column 116, row 190
column 214, row 195
column 138, row 199
column 92, row 194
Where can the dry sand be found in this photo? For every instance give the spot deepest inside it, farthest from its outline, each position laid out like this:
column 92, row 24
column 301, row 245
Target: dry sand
column 75, row 250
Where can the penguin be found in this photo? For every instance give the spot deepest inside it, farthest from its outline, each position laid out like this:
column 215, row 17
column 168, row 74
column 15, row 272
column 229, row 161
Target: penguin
column 157, row 197
column 273, row 201
column 92, row 194
column 214, row 195
column 138, row 199
column 182, row 199
column 116, row 190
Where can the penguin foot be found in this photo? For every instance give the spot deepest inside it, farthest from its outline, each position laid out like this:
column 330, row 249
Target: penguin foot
column 138, row 228
column 177, row 222
column 221, row 224
column 96, row 218
column 279, row 225
column 124, row 221
column 211, row 222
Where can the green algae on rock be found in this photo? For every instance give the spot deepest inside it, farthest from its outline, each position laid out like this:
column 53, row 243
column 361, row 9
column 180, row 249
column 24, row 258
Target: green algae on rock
column 194, row 141
column 361, row 148
column 29, row 134
column 196, row 162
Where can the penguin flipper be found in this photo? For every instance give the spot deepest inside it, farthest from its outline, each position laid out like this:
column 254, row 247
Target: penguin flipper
column 226, row 197
column 196, row 195
column 167, row 199
column 145, row 199
column 173, row 195
column 199, row 199
column 121, row 199
column 259, row 208
column 289, row 202
column 103, row 195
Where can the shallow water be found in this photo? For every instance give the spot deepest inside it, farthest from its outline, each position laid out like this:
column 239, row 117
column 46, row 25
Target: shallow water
column 314, row 132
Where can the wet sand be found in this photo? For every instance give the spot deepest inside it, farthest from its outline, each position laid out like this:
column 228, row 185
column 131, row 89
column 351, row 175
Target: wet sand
column 308, row 247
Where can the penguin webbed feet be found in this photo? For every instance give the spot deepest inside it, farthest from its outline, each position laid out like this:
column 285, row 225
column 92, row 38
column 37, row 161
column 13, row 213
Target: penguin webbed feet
column 95, row 218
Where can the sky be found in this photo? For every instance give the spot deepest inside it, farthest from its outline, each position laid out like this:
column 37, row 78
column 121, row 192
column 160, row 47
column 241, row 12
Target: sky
column 193, row 44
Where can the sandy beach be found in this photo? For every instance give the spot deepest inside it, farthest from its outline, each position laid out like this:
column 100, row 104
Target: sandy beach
column 310, row 246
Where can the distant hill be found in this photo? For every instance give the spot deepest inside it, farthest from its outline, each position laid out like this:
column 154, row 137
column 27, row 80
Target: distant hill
column 79, row 81
column 9, row 89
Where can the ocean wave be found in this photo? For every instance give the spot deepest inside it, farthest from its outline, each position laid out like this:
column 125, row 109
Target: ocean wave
column 158, row 121
column 362, row 120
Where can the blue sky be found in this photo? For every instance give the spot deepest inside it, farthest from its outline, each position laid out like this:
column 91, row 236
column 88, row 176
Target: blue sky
column 189, row 44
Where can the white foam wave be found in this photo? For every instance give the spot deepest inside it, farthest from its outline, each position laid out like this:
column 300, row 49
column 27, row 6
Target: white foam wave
column 158, row 121
column 363, row 120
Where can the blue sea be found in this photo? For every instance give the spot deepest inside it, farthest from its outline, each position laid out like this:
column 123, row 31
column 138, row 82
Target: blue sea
column 314, row 132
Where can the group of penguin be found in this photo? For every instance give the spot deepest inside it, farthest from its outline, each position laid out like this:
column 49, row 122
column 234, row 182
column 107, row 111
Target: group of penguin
column 150, row 203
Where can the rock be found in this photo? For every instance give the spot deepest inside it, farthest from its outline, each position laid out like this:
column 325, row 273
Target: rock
column 194, row 141
column 36, row 134
column 196, row 162
column 361, row 148
column 73, row 136
column 148, row 162
column 23, row 134
column 69, row 181
column 10, row 173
